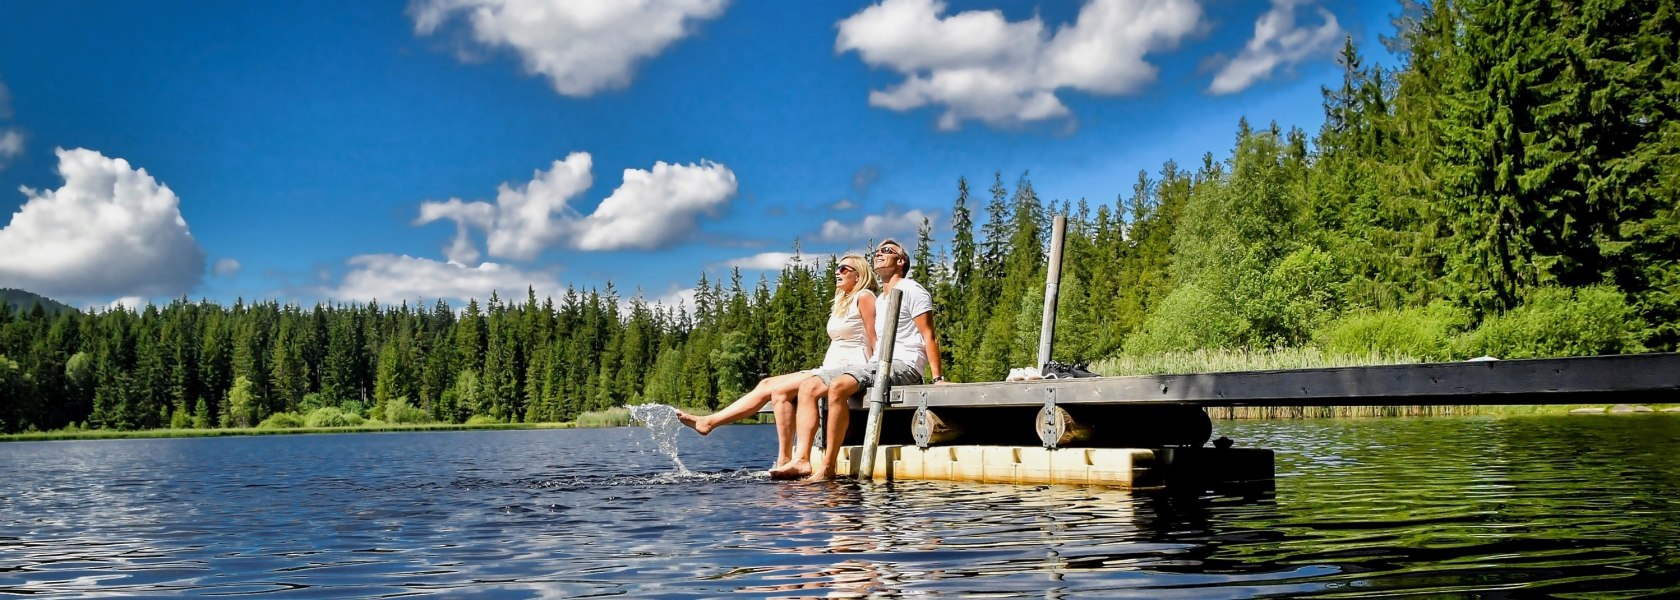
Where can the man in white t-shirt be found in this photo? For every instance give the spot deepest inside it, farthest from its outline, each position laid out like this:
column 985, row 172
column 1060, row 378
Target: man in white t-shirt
column 914, row 347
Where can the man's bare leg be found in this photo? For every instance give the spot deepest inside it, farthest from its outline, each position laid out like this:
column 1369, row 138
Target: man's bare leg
column 839, row 417
column 812, row 390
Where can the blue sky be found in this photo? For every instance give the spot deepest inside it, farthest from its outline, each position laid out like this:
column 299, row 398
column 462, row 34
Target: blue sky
column 443, row 148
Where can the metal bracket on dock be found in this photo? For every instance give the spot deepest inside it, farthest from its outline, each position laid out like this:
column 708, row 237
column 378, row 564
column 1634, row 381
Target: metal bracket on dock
column 1049, row 425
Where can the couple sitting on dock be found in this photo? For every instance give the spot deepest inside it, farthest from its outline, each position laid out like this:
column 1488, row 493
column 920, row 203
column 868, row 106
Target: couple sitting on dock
column 847, row 369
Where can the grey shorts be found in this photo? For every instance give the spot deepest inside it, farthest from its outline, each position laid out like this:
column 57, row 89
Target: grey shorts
column 902, row 374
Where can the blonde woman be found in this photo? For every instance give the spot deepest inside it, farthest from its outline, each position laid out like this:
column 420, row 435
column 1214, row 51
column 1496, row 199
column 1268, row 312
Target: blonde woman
column 851, row 340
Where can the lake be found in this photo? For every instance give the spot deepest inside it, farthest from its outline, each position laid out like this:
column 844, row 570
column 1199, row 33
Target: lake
column 1528, row 506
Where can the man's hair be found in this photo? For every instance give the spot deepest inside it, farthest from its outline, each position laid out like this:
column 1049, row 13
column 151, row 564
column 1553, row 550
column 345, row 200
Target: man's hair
column 902, row 253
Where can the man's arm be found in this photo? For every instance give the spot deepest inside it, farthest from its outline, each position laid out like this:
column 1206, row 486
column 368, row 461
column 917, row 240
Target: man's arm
column 924, row 324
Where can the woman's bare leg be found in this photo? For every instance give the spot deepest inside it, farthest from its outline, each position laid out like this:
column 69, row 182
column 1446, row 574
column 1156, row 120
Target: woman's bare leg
column 782, row 402
column 810, row 392
column 745, row 406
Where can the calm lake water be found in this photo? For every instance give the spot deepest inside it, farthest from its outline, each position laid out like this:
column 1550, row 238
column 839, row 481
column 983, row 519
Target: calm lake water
column 1570, row 506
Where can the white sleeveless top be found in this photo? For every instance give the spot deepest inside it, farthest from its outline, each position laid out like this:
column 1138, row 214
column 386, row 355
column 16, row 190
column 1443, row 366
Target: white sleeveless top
column 845, row 337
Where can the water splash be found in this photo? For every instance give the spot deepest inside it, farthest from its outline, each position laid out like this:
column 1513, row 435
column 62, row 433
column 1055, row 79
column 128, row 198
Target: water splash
column 662, row 425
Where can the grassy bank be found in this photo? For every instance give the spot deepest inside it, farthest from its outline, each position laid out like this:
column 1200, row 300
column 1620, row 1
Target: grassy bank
column 613, row 417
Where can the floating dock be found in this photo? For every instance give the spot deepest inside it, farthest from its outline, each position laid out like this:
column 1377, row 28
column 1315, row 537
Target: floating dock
column 1152, row 431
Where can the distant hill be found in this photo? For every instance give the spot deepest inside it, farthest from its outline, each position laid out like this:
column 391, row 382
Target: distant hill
column 22, row 300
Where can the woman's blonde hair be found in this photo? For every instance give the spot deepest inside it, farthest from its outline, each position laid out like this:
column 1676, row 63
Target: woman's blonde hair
column 866, row 281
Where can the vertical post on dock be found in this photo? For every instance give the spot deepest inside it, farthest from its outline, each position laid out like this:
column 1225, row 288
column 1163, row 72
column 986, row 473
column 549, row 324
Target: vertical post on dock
column 883, row 380
column 1052, row 283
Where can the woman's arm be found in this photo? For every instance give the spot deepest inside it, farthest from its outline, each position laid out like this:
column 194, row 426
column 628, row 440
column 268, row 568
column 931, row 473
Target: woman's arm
column 866, row 309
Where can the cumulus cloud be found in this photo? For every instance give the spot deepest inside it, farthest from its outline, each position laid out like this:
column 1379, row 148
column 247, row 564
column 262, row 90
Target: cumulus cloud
column 763, row 261
column 979, row 65
column 581, row 46
column 649, row 210
column 110, row 230
column 875, row 227
column 393, row 278
column 226, row 267
column 653, row 208
column 1278, row 42
column 11, row 145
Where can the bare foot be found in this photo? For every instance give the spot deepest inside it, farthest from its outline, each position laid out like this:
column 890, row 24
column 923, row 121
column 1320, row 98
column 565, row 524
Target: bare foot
column 824, row 474
column 698, row 424
column 791, row 470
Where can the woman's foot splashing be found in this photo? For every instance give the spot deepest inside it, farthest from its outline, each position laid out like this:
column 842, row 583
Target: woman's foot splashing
column 793, row 469
column 700, row 425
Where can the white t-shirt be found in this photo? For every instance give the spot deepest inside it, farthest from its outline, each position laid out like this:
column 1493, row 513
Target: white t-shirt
column 908, row 346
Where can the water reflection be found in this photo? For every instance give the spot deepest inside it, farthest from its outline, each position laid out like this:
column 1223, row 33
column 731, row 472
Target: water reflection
column 1392, row 507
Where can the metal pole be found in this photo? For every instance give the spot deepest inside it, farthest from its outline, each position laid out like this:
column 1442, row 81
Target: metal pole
column 1047, row 332
column 878, row 392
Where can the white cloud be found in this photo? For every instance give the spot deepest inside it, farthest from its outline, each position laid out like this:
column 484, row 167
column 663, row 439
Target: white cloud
column 11, row 145
column 1278, row 41
column 111, row 230
column 683, row 298
column 763, row 261
column 652, row 209
column 226, row 267
column 843, row 204
column 649, row 210
column 978, row 65
column 394, row 278
column 582, row 46
column 129, row 303
column 875, row 227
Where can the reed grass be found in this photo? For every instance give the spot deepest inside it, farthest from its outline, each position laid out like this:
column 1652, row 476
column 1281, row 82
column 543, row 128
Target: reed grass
column 616, row 416
column 1225, row 361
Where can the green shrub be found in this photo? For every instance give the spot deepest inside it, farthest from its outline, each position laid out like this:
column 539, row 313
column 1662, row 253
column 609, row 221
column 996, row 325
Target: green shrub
column 1423, row 333
column 1301, row 293
column 312, row 401
column 398, row 411
column 482, row 420
column 1189, row 318
column 1556, row 321
column 331, row 416
column 616, row 416
column 282, row 420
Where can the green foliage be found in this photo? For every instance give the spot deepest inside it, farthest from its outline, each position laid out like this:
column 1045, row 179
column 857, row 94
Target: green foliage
column 1556, row 321
column 616, row 416
column 282, row 420
column 399, row 411
column 1422, row 333
column 243, row 410
column 482, row 420
column 1302, row 293
column 1190, row 318
column 331, row 416
column 180, row 418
